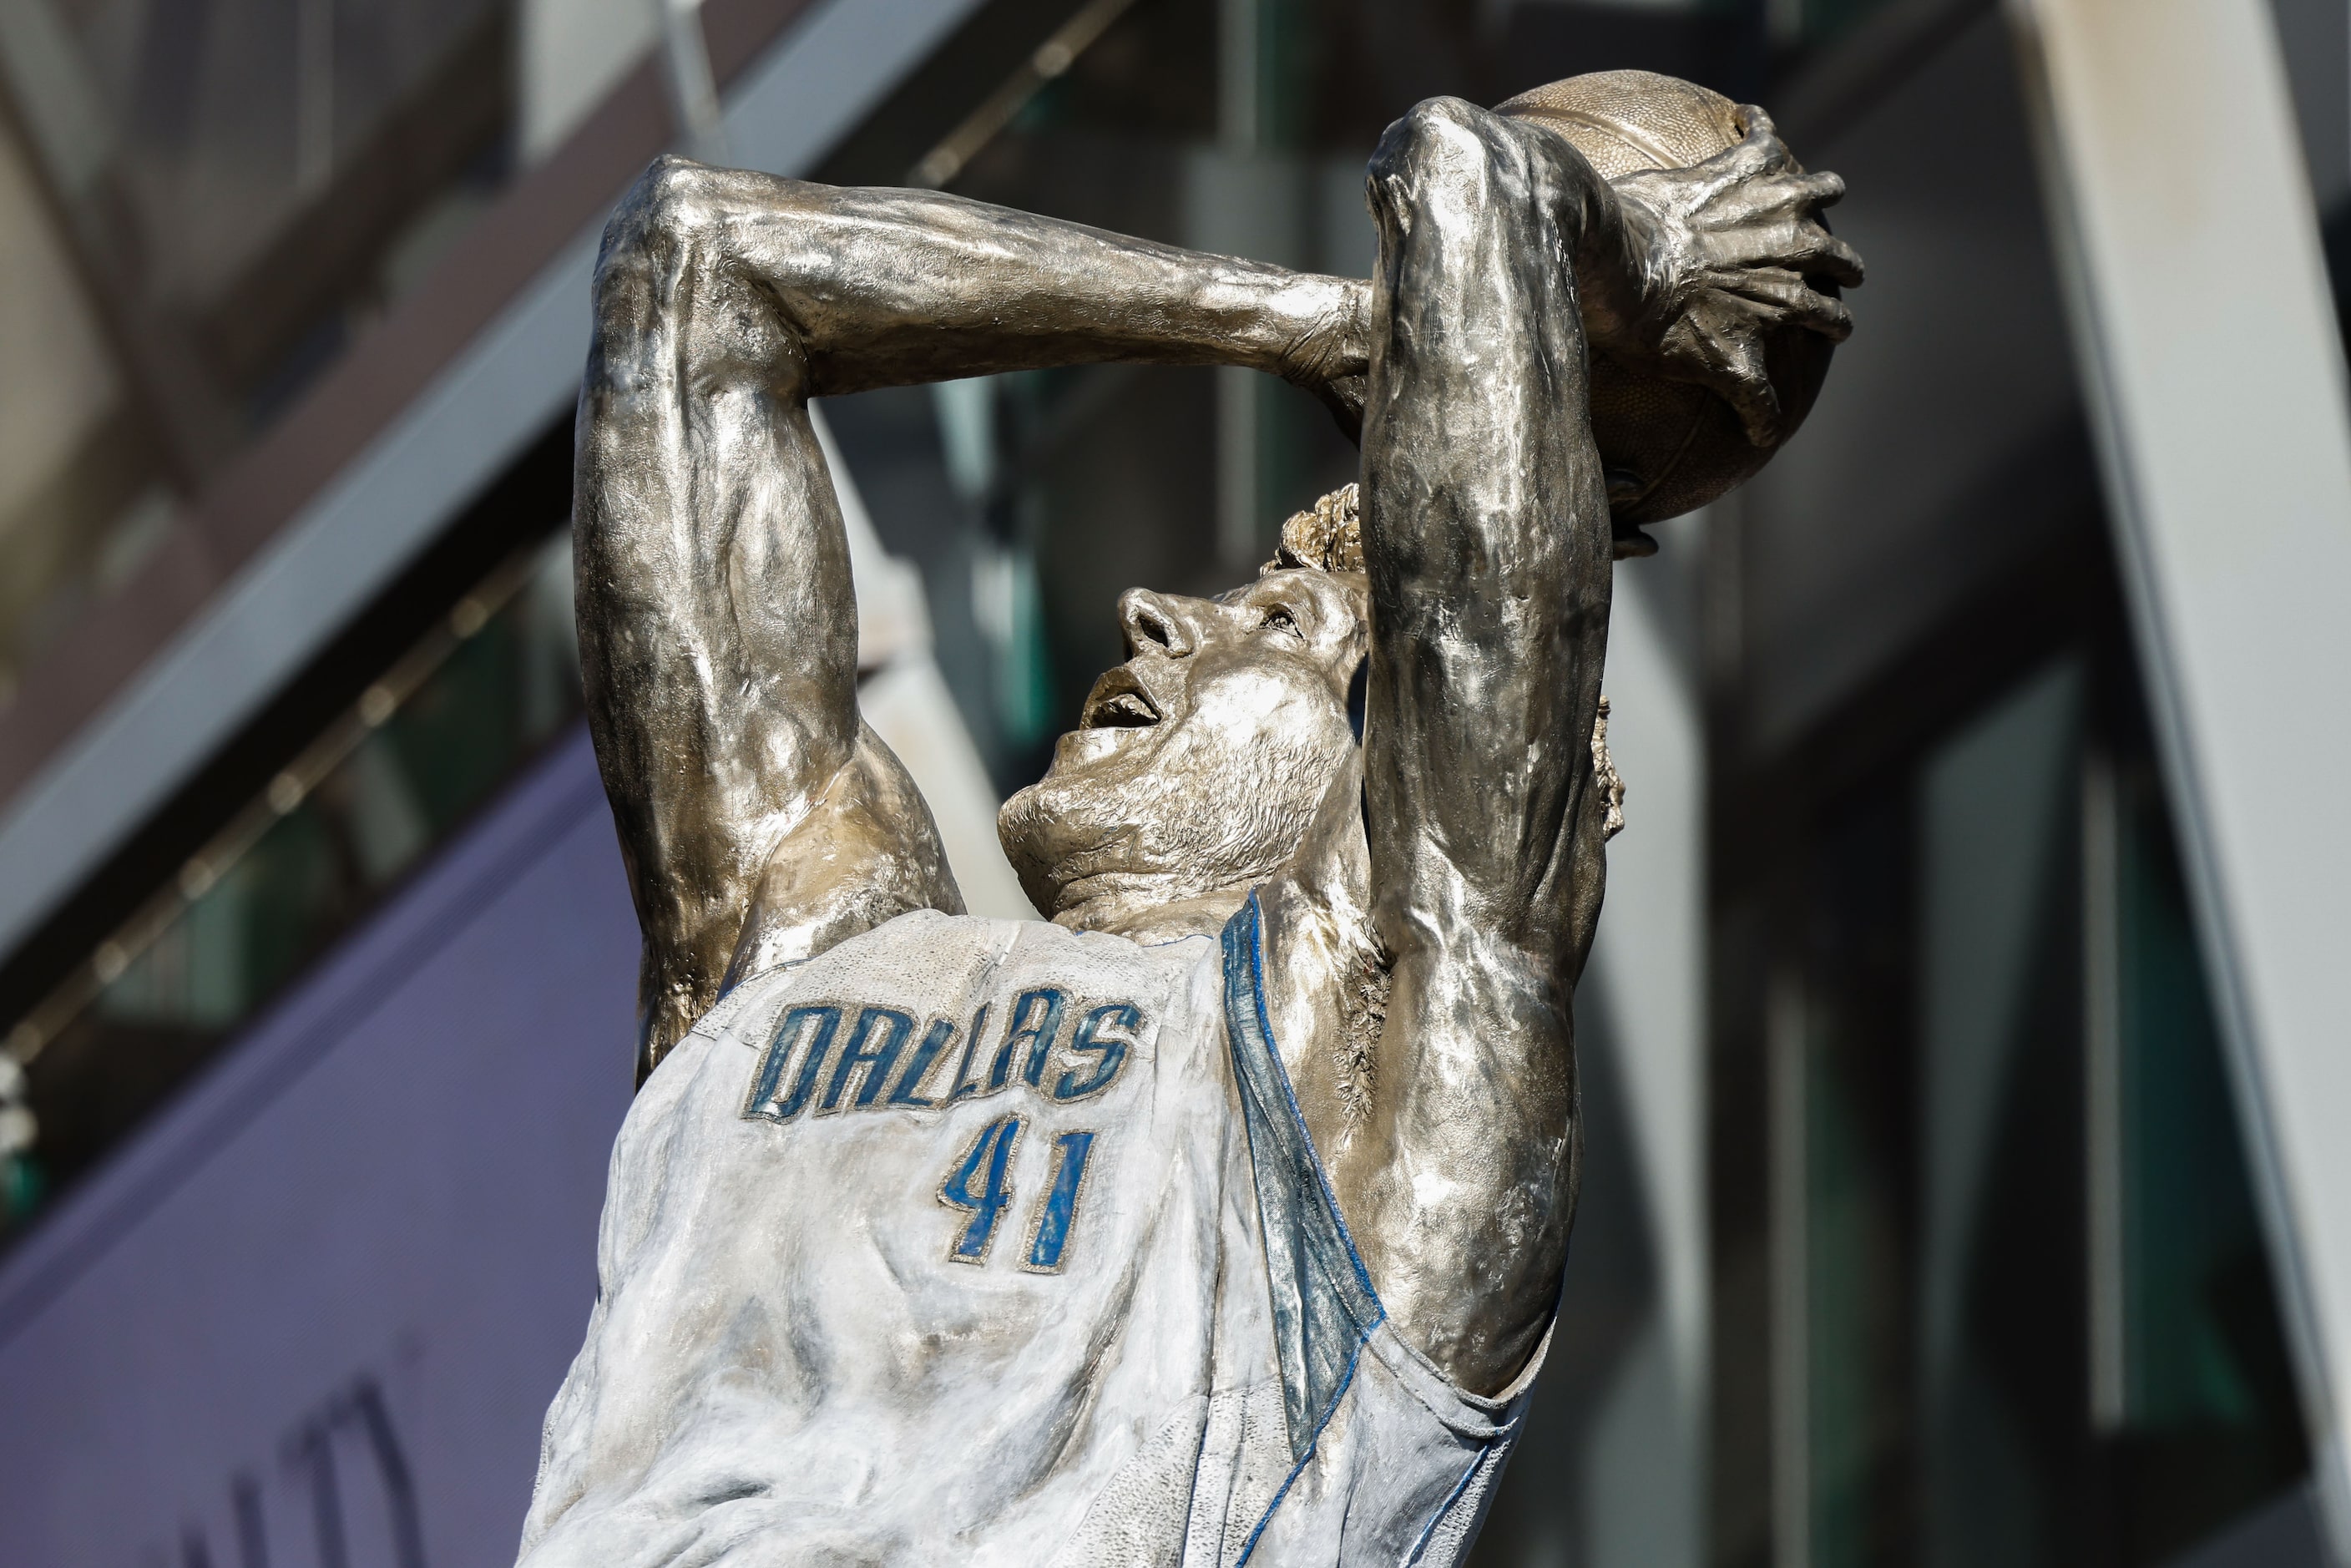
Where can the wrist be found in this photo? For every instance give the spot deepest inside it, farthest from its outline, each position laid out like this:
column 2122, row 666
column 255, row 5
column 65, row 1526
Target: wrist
column 1621, row 279
column 1323, row 331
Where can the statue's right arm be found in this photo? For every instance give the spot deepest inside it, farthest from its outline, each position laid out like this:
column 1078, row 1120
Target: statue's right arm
column 760, row 820
column 1504, row 260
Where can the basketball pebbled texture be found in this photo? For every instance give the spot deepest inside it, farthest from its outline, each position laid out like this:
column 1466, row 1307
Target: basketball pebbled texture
column 1669, row 447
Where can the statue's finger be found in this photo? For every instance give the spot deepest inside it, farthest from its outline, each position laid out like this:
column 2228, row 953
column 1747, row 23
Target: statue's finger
column 1798, row 244
column 1788, row 196
column 1814, row 192
column 1787, row 293
column 1732, row 349
column 1824, row 256
column 1754, row 121
column 1760, row 150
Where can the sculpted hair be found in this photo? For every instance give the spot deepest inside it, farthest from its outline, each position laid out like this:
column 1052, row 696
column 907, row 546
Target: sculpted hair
column 1329, row 536
column 1326, row 536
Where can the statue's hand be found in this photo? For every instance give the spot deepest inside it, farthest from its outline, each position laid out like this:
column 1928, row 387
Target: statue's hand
column 1728, row 248
column 1333, row 360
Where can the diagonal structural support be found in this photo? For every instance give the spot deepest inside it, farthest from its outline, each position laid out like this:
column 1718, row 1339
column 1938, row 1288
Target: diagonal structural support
column 2210, row 353
column 365, row 526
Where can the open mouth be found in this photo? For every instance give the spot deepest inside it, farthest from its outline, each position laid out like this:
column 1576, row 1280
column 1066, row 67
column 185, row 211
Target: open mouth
column 1118, row 702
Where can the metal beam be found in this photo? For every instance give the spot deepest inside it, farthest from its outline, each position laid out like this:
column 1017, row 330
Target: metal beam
column 2209, row 347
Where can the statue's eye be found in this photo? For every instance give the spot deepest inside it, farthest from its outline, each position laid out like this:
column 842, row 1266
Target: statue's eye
column 1279, row 619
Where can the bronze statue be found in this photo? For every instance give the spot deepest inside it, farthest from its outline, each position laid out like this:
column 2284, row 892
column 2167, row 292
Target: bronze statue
column 1261, row 1160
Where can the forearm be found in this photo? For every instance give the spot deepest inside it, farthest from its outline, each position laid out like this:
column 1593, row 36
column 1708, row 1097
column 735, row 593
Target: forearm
column 1613, row 288
column 884, row 287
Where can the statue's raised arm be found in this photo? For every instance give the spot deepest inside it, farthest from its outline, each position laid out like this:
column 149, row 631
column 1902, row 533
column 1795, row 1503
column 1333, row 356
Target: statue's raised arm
column 1450, row 1121
column 1223, row 1215
column 760, row 820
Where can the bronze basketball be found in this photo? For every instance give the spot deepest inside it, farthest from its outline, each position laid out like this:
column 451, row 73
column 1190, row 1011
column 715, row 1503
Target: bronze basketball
column 1669, row 447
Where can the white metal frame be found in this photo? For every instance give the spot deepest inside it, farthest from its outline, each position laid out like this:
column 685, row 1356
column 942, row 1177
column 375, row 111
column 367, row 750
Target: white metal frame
column 2211, row 352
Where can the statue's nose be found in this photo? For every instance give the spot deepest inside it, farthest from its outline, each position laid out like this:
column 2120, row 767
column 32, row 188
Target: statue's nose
column 1156, row 620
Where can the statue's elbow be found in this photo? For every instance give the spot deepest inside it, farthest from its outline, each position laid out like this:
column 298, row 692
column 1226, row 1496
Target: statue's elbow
column 1447, row 156
column 676, row 204
column 1448, row 162
column 674, row 217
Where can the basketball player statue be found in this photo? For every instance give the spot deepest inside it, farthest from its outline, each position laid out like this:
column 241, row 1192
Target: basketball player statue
column 1223, row 1217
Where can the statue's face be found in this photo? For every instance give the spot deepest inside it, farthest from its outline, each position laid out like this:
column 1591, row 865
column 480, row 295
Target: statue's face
column 1198, row 764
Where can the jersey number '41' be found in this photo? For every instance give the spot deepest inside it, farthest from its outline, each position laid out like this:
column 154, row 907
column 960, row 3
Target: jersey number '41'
column 980, row 1185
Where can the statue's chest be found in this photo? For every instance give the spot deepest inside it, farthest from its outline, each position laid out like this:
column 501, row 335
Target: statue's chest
column 945, row 1097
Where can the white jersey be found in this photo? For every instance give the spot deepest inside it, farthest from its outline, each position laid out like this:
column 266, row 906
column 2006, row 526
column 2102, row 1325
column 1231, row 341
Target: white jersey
column 986, row 1242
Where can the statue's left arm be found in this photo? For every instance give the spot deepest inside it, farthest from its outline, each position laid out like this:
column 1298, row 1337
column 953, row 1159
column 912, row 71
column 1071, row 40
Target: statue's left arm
column 1487, row 544
column 760, row 820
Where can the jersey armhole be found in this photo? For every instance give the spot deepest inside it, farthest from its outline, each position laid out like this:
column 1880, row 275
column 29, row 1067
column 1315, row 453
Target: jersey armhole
column 1324, row 1307
column 736, row 996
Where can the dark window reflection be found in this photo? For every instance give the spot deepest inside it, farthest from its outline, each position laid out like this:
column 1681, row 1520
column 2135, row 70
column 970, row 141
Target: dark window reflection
column 2040, row 1324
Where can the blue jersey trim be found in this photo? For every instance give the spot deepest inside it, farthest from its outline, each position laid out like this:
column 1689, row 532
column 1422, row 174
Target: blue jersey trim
column 1289, row 1098
column 1298, row 1468
column 1323, row 1306
column 1429, row 1529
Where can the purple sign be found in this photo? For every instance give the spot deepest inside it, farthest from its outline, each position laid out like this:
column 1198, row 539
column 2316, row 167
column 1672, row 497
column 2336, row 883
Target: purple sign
column 314, row 1313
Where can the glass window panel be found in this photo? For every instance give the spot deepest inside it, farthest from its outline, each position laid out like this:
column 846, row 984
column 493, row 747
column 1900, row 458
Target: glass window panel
column 428, row 746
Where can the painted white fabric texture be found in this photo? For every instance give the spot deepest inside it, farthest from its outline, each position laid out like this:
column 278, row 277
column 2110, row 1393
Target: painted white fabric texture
column 987, row 1242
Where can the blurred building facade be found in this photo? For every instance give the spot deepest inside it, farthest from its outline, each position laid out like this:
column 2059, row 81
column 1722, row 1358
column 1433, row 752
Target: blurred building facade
column 1931, row 1215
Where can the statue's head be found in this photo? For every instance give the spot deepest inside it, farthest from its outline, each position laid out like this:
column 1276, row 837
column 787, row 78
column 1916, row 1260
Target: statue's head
column 1198, row 764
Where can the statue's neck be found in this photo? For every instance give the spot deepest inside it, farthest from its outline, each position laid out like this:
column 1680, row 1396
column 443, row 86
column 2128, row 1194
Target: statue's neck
column 1328, row 874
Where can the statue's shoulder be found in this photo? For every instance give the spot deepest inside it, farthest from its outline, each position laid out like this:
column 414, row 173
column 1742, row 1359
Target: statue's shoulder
column 927, row 974
column 925, row 953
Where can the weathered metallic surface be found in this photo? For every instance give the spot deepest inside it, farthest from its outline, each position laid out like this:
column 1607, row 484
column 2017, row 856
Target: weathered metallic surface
column 1428, row 897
